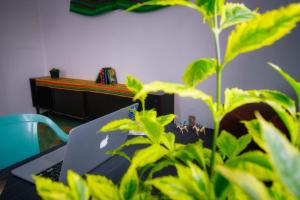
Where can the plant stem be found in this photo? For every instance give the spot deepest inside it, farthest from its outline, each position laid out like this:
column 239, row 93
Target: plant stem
column 143, row 105
column 214, row 145
column 298, row 105
column 218, row 71
column 216, row 32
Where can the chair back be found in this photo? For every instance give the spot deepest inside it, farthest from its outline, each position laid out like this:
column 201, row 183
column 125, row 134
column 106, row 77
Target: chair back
column 19, row 137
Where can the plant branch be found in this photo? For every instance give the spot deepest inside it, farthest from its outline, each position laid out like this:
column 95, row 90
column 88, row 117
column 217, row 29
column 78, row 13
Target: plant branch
column 216, row 32
column 143, row 104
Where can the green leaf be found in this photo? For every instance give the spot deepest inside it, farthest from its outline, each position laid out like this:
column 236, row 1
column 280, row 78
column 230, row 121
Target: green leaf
column 227, row 144
column 201, row 178
column 119, row 153
column 198, row 71
column 168, row 140
column 120, row 124
column 236, row 97
column 174, row 88
column 285, row 157
column 286, row 111
column 152, row 129
column 133, row 84
column 192, row 152
column 146, row 122
column 237, row 193
column 191, row 183
column 263, row 30
column 172, row 187
column 129, row 184
column 256, row 157
column 230, row 146
column 77, row 186
column 243, row 142
column 293, row 83
column 166, row 3
column 279, row 192
column 235, row 13
column 254, row 130
column 145, row 195
column 151, row 114
column 207, row 155
column 277, row 97
column 253, row 188
column 166, row 119
column 290, row 121
column 282, row 104
column 50, row 190
column 194, row 180
column 128, row 142
column 148, row 155
column 136, row 140
column 255, row 163
column 220, row 185
column 208, row 7
column 160, row 165
column 102, row 188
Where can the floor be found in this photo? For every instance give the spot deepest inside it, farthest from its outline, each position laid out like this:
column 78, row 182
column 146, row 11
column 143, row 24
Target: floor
column 47, row 138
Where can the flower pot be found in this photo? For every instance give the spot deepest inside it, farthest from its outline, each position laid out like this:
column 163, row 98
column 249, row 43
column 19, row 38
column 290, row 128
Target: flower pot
column 54, row 74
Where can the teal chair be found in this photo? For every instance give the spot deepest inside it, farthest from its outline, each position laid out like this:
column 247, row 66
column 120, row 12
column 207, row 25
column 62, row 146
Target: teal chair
column 19, row 137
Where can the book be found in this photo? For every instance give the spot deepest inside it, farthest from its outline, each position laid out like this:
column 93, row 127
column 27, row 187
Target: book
column 113, row 76
column 98, row 79
column 106, row 78
column 102, row 76
column 107, row 75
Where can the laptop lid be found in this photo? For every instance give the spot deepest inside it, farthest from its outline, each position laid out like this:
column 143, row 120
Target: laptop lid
column 86, row 147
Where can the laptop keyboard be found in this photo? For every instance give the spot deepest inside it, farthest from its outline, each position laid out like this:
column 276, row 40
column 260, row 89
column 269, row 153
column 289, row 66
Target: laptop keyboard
column 52, row 172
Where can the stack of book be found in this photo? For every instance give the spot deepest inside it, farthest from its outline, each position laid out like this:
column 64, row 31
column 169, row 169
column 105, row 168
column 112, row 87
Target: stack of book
column 107, row 75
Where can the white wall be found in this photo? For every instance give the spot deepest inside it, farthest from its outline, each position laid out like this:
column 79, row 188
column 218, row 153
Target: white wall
column 152, row 46
column 22, row 54
column 157, row 46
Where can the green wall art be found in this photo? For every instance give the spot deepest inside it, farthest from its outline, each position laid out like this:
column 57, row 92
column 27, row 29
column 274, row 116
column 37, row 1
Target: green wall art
column 96, row 7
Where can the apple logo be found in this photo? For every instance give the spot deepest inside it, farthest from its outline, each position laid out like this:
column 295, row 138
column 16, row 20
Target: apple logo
column 104, row 142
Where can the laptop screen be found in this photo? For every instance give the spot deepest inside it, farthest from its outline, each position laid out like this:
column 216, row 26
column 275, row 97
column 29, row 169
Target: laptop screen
column 86, row 148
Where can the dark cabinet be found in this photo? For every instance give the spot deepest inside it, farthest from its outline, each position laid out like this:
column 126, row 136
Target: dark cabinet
column 41, row 96
column 98, row 104
column 69, row 102
column 163, row 103
column 85, row 100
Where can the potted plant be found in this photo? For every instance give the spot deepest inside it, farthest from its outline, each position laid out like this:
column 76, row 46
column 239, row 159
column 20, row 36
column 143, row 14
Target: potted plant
column 54, row 73
column 223, row 171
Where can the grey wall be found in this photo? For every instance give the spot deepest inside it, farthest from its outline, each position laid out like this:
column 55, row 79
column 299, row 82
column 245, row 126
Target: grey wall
column 22, row 54
column 151, row 46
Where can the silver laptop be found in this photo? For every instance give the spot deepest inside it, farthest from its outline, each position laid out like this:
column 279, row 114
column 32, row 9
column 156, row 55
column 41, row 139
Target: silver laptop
column 85, row 149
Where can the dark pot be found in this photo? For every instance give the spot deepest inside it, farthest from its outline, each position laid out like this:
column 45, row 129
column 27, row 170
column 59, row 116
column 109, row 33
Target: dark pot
column 54, row 74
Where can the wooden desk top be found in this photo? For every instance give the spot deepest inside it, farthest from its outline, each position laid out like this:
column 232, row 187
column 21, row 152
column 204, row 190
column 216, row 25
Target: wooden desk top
column 84, row 85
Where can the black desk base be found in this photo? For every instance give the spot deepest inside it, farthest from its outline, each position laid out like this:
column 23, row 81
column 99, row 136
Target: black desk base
column 114, row 168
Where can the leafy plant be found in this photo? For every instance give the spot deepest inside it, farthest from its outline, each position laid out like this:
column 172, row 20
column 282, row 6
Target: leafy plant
column 54, row 70
column 225, row 171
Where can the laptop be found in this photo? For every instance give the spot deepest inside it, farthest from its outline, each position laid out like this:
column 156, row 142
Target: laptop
column 85, row 150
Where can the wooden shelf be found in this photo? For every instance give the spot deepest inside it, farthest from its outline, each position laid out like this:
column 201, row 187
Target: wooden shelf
column 88, row 100
column 84, row 85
